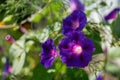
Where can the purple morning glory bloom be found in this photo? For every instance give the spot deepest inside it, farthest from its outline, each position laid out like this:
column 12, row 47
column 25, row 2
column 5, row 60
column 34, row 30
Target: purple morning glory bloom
column 76, row 50
column 7, row 69
column 100, row 77
column 74, row 22
column 48, row 53
column 112, row 14
column 76, row 5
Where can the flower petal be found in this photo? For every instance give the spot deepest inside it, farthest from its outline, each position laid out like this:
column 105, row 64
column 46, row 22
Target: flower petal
column 48, row 53
column 112, row 14
column 74, row 22
column 83, row 47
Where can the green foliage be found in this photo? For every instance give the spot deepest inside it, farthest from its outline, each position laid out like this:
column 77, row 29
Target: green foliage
column 94, row 34
column 41, row 73
column 17, row 55
column 50, row 13
column 77, row 75
column 20, row 9
column 60, row 72
column 45, row 21
column 43, row 35
column 115, row 27
column 113, row 66
column 8, row 19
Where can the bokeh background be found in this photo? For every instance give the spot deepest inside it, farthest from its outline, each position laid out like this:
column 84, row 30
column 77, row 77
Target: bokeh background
column 31, row 22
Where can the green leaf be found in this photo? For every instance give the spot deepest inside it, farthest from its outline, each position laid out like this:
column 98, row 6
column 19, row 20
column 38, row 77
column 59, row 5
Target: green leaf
column 60, row 68
column 57, row 26
column 98, row 48
column 36, row 18
column 28, row 45
column 50, row 13
column 18, row 63
column 95, row 37
column 114, row 52
column 43, row 35
column 40, row 73
column 17, row 55
column 55, row 31
column 113, row 65
column 113, row 69
column 76, row 74
column 115, row 26
column 16, row 49
column 64, row 73
column 8, row 19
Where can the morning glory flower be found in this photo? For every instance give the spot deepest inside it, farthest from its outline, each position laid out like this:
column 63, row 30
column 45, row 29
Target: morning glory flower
column 99, row 78
column 76, row 5
column 7, row 69
column 48, row 53
column 76, row 50
column 112, row 14
column 74, row 22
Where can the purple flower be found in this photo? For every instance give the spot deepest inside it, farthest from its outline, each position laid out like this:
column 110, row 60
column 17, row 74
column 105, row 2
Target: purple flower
column 100, row 77
column 7, row 69
column 48, row 53
column 74, row 22
column 112, row 14
column 76, row 50
column 76, row 5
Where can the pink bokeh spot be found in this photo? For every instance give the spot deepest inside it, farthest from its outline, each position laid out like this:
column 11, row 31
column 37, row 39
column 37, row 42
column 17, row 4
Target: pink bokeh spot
column 10, row 39
column 73, row 6
column 76, row 24
column 10, row 69
column 22, row 29
column 77, row 49
column 54, row 53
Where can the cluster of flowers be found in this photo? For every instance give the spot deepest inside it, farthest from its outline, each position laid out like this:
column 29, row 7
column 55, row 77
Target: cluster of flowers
column 75, row 48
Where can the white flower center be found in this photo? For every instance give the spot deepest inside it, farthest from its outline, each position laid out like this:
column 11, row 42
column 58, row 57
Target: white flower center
column 53, row 53
column 77, row 49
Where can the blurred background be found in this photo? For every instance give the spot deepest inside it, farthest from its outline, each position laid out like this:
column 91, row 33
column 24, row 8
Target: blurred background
column 25, row 24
